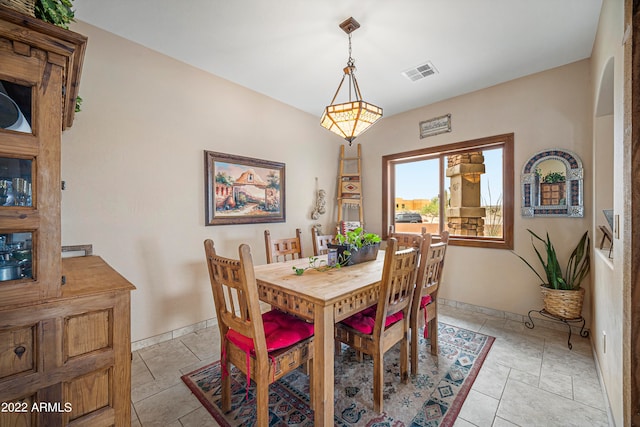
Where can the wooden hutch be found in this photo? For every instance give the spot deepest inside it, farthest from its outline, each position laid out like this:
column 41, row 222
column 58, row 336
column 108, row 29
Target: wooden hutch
column 65, row 347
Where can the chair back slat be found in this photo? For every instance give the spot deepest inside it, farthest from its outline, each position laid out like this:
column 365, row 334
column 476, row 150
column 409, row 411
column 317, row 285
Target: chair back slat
column 398, row 282
column 407, row 240
column 431, row 267
column 235, row 295
column 321, row 242
column 284, row 248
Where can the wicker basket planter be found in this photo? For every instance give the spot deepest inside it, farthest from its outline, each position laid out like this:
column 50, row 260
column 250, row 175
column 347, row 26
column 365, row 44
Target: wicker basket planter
column 563, row 304
column 26, row 7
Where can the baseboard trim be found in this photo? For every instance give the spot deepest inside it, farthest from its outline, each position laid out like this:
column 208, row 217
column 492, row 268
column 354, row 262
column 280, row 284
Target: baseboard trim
column 176, row 333
column 603, row 387
column 539, row 321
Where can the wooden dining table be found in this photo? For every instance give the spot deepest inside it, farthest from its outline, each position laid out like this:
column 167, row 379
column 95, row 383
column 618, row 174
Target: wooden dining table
column 323, row 297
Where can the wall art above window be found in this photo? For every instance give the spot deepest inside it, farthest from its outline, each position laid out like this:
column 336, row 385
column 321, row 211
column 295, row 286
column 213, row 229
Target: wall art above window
column 435, row 126
column 243, row 190
column 552, row 182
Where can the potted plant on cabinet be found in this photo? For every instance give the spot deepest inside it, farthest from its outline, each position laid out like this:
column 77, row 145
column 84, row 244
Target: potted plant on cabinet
column 58, row 13
column 356, row 246
column 561, row 291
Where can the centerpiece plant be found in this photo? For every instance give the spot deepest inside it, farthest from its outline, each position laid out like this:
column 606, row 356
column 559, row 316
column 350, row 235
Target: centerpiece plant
column 352, row 247
column 561, row 288
column 356, row 246
column 357, row 239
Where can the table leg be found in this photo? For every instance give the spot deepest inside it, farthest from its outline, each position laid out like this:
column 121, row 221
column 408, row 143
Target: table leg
column 323, row 380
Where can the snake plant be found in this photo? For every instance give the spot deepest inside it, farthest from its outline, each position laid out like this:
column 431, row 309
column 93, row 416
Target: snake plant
column 575, row 271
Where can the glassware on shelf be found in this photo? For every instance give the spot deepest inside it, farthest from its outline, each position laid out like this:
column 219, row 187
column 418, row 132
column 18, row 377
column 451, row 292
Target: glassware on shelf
column 21, row 190
column 16, row 176
column 16, row 256
column 5, row 188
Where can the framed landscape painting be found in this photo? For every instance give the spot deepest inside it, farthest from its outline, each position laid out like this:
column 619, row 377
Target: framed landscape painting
column 243, row 190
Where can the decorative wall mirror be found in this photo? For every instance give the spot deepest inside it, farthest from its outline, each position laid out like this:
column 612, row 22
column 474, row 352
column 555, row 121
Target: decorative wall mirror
column 552, row 184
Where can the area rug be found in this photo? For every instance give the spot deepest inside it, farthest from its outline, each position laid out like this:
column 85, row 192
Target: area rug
column 431, row 398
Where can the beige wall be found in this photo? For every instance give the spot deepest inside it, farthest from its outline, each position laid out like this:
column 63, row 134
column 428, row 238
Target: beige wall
column 134, row 171
column 133, row 164
column 545, row 110
column 609, row 286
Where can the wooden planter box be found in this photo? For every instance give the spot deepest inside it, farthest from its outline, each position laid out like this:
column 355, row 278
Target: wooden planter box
column 366, row 253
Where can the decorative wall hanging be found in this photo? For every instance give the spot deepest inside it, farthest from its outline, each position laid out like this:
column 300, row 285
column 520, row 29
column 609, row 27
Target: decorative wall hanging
column 552, row 184
column 243, row 190
column 435, row 126
column 321, row 203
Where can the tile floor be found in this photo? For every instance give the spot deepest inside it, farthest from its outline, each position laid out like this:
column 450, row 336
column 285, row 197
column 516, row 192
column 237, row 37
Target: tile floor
column 530, row 377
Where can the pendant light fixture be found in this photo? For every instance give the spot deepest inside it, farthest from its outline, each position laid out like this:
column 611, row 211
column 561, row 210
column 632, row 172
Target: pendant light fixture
column 352, row 118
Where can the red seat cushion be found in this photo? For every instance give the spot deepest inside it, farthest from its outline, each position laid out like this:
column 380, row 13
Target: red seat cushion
column 365, row 320
column 280, row 330
column 426, row 300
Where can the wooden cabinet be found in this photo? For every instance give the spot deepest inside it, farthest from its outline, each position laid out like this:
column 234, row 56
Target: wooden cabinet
column 65, row 345
column 70, row 355
column 39, row 76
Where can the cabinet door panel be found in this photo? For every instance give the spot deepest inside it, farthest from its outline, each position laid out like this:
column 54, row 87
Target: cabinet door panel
column 18, row 413
column 17, row 353
column 88, row 332
column 89, row 393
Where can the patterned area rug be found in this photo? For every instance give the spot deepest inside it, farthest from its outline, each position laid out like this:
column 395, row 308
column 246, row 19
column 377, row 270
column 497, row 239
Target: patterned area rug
column 432, row 398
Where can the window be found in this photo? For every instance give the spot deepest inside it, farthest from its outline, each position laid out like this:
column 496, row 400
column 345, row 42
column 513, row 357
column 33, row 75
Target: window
column 465, row 188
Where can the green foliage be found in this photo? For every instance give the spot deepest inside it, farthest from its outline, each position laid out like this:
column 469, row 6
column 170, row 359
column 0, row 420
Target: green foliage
column 553, row 177
column 315, row 264
column 59, row 13
column 223, row 178
column 56, row 12
column 577, row 267
column 274, row 181
column 357, row 238
column 78, row 104
column 432, row 210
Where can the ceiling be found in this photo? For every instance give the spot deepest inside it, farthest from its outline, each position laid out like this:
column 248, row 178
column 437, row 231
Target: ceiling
column 294, row 50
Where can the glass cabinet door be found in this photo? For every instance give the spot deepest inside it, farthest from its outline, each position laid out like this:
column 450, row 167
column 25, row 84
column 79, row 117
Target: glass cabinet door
column 15, row 182
column 15, row 107
column 30, row 262
column 40, row 67
column 16, row 256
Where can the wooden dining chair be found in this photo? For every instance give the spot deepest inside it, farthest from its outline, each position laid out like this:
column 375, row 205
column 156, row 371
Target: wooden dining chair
column 407, row 240
column 424, row 309
column 264, row 347
column 284, row 248
column 375, row 330
column 321, row 242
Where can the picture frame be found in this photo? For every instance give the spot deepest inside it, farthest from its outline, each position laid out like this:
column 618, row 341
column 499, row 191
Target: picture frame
column 435, row 126
column 243, row 190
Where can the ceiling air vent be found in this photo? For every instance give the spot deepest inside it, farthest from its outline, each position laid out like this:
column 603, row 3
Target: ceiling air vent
column 420, row 72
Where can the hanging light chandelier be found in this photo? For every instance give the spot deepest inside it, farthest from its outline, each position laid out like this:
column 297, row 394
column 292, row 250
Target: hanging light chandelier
column 352, row 118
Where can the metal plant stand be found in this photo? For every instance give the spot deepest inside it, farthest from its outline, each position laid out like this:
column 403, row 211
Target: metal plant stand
column 544, row 313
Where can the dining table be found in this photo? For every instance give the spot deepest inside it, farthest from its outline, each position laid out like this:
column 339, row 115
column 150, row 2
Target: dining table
column 323, row 296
